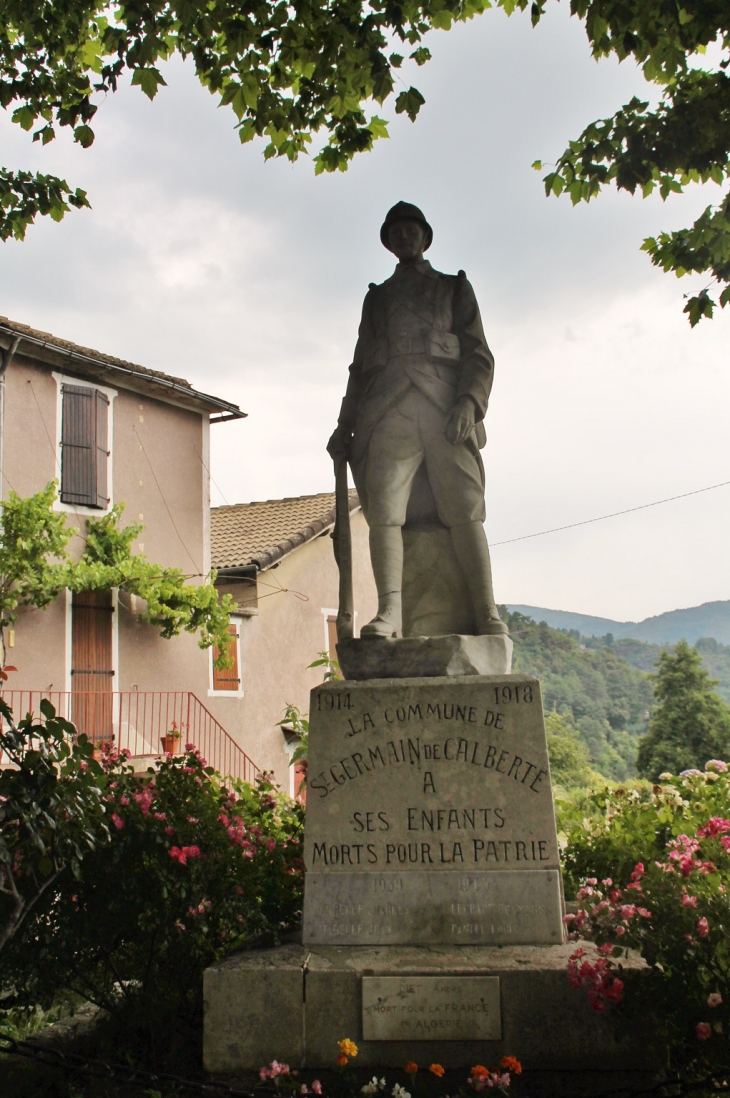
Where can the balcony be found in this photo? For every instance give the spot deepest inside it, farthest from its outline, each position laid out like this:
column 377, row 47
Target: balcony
column 136, row 721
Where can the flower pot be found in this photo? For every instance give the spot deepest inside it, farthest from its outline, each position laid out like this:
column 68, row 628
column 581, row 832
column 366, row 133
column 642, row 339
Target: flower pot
column 170, row 744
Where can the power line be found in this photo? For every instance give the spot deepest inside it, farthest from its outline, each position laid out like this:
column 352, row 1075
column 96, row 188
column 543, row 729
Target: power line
column 162, row 495
column 614, row 514
column 211, row 476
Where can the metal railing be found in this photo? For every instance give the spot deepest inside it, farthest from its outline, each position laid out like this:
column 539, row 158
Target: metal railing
column 138, row 720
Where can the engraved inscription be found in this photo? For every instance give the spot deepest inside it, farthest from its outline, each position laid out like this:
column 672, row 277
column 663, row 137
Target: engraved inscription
column 417, row 908
column 430, row 815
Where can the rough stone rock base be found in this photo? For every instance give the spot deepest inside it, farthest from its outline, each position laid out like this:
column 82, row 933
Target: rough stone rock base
column 294, row 1004
column 452, row 655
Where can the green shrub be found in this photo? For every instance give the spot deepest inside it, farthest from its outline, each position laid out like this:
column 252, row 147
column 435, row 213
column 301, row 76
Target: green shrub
column 52, row 811
column 192, row 871
column 653, row 864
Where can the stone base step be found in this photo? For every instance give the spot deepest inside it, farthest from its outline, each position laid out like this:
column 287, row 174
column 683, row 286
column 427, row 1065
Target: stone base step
column 294, row 1004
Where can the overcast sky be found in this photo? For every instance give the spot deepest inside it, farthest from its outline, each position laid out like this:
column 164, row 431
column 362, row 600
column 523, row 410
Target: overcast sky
column 247, row 278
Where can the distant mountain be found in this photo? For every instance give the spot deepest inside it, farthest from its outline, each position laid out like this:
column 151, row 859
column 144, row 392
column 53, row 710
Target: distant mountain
column 711, row 619
column 585, row 624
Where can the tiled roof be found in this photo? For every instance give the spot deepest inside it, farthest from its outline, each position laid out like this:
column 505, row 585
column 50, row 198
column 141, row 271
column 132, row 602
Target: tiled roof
column 261, row 533
column 37, row 344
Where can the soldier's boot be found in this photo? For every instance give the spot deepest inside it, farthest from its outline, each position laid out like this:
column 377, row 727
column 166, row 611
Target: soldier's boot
column 386, row 554
column 472, row 553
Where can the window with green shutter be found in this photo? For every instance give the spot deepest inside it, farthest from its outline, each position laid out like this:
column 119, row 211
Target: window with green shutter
column 84, row 446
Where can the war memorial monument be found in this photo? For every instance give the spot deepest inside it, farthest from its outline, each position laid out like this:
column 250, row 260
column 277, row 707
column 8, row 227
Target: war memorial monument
column 433, row 910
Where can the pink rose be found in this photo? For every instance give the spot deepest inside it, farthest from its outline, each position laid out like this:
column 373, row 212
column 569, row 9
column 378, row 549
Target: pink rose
column 703, row 1031
column 703, row 927
column 118, row 821
column 317, row 1086
column 714, row 999
column 689, row 901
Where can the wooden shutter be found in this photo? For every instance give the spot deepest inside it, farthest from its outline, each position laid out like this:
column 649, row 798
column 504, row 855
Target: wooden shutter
column 102, row 449
column 332, row 637
column 84, row 446
column 300, row 789
column 92, row 674
column 230, row 678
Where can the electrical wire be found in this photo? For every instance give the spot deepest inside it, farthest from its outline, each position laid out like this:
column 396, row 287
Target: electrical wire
column 211, row 476
column 614, row 514
column 162, row 496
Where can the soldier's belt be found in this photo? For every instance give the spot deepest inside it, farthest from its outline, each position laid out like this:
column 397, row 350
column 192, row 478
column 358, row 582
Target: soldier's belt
column 408, row 345
column 438, row 346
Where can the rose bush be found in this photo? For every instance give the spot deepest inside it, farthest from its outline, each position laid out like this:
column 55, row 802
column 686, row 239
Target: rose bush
column 653, row 869
column 193, row 869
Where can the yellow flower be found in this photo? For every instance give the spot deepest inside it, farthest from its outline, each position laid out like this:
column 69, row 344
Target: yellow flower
column 347, row 1047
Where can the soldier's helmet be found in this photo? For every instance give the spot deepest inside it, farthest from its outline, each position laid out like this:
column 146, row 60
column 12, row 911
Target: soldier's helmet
column 405, row 211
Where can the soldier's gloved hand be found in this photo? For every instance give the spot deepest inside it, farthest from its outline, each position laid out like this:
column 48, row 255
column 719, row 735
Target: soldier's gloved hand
column 462, row 418
column 339, row 444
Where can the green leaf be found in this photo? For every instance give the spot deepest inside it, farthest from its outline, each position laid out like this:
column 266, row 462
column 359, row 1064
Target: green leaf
column 149, row 80
column 409, row 102
column 378, row 127
column 25, row 117
column 84, row 135
column 421, row 55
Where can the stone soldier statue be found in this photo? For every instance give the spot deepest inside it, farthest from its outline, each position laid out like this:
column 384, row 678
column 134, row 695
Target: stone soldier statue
column 411, row 421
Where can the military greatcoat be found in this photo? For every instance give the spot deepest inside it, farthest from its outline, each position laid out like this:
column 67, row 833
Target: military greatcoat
column 420, row 348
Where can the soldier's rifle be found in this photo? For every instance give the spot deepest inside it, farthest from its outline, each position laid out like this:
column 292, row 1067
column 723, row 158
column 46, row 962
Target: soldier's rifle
column 342, row 538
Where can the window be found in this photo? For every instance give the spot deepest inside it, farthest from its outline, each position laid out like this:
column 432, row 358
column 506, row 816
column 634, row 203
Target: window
column 230, row 678
column 332, row 635
column 332, row 638
column 84, row 446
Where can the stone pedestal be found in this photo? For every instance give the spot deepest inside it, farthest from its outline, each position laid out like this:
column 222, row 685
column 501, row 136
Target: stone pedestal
column 294, row 1003
column 453, row 655
column 429, row 814
column 433, row 906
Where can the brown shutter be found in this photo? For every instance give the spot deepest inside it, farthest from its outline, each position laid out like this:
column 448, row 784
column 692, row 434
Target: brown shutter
column 102, row 449
column 84, row 446
column 332, row 637
column 92, row 680
column 230, row 678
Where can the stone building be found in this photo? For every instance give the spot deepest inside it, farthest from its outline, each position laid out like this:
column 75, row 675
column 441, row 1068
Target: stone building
column 275, row 558
column 110, row 431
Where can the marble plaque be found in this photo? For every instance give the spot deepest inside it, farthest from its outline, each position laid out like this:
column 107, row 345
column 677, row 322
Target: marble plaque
column 442, row 778
column 431, row 1008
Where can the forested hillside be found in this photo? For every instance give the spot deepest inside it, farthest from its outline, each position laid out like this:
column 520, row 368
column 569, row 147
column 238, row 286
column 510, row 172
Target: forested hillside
column 641, row 654
column 606, row 698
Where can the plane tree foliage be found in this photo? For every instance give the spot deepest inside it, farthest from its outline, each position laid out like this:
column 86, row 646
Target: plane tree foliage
column 291, row 70
column 683, row 140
